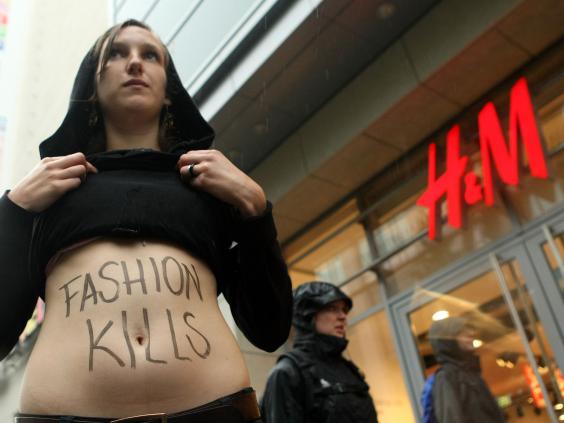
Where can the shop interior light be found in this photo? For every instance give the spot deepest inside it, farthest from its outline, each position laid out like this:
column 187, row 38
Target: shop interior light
column 559, row 406
column 561, row 418
column 504, row 401
column 477, row 343
column 440, row 315
column 542, row 370
column 541, row 366
column 507, row 359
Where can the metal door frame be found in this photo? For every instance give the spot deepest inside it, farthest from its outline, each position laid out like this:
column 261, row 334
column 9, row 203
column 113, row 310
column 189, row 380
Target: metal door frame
column 458, row 276
column 534, row 247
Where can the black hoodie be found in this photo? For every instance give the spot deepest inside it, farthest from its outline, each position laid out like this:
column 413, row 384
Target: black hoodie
column 459, row 393
column 138, row 193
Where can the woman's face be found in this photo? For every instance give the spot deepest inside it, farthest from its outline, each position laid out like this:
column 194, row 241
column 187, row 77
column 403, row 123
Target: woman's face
column 332, row 319
column 134, row 78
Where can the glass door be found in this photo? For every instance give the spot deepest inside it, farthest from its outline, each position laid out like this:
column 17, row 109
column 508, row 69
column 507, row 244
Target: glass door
column 546, row 248
column 490, row 319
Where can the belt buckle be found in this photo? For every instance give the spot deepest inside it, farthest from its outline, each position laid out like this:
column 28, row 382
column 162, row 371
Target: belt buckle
column 162, row 418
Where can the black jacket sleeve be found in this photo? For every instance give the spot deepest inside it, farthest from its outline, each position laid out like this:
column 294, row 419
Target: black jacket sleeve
column 259, row 290
column 18, row 294
column 284, row 395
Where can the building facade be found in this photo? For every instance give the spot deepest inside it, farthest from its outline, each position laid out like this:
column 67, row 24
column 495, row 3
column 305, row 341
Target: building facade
column 349, row 162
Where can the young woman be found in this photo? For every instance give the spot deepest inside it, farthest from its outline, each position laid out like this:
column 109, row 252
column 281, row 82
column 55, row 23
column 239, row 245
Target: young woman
column 129, row 228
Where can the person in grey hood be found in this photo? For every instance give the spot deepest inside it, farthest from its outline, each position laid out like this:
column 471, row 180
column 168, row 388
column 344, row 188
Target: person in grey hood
column 314, row 383
column 459, row 393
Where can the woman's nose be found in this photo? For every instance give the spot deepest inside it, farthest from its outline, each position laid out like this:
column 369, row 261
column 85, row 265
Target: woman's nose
column 134, row 65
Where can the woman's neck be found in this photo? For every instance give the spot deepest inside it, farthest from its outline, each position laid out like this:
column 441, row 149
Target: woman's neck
column 135, row 135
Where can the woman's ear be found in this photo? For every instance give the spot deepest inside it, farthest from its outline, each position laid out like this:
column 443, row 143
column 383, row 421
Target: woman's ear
column 167, row 102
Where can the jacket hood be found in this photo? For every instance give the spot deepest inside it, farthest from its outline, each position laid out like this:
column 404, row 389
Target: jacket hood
column 443, row 337
column 191, row 131
column 311, row 297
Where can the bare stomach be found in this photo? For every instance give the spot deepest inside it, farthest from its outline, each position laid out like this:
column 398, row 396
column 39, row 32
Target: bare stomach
column 130, row 328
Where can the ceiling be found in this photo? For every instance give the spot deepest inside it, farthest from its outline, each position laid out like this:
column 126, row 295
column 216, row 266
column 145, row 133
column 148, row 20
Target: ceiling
column 333, row 45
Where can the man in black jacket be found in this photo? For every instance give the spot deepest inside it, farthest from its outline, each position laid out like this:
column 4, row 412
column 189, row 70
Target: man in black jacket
column 459, row 393
column 314, row 383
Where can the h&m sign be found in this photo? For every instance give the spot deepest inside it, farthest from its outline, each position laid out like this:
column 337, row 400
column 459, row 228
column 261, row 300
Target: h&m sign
column 461, row 186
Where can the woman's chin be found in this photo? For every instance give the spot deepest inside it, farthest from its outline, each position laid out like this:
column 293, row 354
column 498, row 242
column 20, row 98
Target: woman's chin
column 139, row 104
column 139, row 109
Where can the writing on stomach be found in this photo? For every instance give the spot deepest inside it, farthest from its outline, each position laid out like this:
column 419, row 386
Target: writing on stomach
column 136, row 310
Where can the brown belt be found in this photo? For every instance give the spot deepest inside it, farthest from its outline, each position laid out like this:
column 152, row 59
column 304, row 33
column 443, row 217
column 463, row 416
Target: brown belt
column 237, row 408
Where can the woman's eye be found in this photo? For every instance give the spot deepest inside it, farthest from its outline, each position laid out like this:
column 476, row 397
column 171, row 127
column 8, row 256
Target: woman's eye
column 114, row 53
column 152, row 55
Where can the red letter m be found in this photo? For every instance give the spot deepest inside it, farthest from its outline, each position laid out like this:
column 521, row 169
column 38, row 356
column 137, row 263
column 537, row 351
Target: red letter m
column 521, row 121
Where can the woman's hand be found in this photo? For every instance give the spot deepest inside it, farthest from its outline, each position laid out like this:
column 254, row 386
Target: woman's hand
column 212, row 172
column 49, row 180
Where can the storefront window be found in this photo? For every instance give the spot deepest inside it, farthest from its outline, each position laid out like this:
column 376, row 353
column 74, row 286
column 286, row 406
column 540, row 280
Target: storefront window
column 337, row 252
column 371, row 348
column 424, row 257
column 363, row 291
column 534, row 197
column 403, row 224
column 395, row 222
column 505, row 368
column 551, row 117
column 553, row 261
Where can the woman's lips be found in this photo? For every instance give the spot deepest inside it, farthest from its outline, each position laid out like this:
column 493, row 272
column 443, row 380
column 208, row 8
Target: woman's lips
column 136, row 82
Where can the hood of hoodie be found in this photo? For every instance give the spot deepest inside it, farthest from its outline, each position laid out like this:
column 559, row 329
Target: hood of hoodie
column 191, row 131
column 443, row 337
